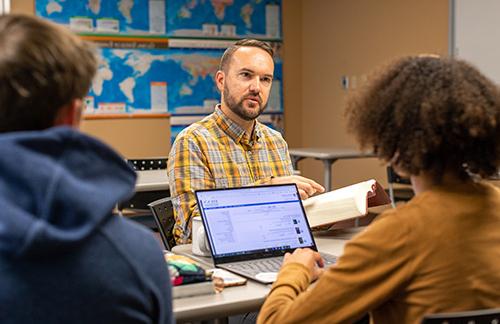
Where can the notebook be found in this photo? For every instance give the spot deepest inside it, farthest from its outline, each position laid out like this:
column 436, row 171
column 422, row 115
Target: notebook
column 249, row 229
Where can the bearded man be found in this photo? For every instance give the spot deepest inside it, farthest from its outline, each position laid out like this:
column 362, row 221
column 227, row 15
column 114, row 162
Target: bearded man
column 230, row 148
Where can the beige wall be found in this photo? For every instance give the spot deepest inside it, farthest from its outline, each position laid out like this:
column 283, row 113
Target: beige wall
column 23, row 6
column 133, row 137
column 292, row 71
column 345, row 37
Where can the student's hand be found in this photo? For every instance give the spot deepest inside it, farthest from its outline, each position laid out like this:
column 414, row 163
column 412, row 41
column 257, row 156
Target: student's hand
column 311, row 259
column 307, row 187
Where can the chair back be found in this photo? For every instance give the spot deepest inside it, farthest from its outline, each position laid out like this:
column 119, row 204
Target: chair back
column 393, row 177
column 398, row 194
column 158, row 163
column 485, row 316
column 163, row 214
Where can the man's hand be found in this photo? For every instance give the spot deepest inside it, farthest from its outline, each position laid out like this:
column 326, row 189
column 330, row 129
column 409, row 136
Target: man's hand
column 311, row 259
column 307, row 187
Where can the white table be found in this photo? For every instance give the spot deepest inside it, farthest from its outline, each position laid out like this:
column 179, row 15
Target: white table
column 241, row 299
column 151, row 185
column 328, row 156
column 151, row 180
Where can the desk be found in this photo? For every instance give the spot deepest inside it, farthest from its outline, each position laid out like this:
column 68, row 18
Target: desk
column 151, row 185
column 328, row 156
column 235, row 300
column 151, row 180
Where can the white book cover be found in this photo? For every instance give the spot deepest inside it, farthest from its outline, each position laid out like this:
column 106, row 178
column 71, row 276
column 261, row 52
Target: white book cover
column 344, row 203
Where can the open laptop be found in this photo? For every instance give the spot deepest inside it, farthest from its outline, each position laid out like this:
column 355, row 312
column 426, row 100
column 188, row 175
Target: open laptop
column 249, row 229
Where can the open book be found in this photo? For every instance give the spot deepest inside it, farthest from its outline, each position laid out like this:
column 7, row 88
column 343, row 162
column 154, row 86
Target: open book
column 344, row 203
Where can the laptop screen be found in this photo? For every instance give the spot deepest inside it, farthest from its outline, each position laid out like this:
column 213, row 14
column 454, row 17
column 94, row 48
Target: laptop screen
column 254, row 222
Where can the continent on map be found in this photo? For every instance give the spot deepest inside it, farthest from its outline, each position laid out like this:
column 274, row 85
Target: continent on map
column 124, row 6
column 141, row 63
column 186, row 90
column 246, row 14
column 220, row 7
column 198, row 66
column 127, row 87
column 95, row 6
column 184, row 13
column 52, row 7
column 185, row 10
column 104, row 73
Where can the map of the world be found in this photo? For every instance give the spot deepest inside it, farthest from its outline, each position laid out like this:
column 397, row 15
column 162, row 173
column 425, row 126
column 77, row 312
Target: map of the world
column 119, row 16
column 181, row 18
column 179, row 81
column 174, row 80
column 224, row 18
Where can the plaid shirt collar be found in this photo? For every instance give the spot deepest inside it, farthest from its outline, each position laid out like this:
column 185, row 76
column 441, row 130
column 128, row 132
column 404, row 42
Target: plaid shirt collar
column 235, row 131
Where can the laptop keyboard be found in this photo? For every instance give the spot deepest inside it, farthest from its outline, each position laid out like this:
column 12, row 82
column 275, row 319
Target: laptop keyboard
column 254, row 267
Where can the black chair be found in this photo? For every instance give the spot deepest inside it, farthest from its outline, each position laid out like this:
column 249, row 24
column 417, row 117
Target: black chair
column 163, row 214
column 486, row 316
column 400, row 193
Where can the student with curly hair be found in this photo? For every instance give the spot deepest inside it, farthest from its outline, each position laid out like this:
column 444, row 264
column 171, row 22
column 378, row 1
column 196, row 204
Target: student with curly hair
column 437, row 121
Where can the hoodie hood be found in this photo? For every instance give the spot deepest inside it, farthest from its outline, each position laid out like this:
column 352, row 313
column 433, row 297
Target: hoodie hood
column 57, row 187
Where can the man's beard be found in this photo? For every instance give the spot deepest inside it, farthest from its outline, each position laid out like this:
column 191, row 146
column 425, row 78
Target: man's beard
column 237, row 106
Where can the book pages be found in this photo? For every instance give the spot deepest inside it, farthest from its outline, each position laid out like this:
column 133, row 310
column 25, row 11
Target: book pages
column 344, row 203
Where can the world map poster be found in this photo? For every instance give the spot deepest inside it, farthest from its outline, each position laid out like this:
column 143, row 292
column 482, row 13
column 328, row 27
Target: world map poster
column 179, row 81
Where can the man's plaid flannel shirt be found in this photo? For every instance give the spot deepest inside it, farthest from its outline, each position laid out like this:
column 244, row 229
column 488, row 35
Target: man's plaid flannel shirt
column 216, row 153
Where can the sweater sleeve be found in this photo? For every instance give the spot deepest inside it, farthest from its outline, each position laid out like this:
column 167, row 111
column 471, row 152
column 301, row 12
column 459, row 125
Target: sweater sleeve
column 372, row 268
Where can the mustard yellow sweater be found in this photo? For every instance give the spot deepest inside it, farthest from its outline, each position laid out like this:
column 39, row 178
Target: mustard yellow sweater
column 438, row 253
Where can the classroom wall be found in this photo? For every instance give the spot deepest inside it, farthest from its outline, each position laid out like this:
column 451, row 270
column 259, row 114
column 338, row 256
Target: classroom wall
column 22, row 6
column 140, row 137
column 324, row 40
column 292, row 70
column 345, row 37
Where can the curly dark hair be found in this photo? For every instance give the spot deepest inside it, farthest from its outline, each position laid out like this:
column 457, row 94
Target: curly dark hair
column 431, row 114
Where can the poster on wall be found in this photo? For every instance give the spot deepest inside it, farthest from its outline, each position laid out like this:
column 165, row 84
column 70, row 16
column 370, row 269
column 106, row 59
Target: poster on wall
column 176, row 18
column 154, row 80
column 224, row 18
column 136, row 17
column 174, row 75
column 175, row 80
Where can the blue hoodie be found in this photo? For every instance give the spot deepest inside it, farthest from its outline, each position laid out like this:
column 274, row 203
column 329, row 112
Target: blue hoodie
column 63, row 257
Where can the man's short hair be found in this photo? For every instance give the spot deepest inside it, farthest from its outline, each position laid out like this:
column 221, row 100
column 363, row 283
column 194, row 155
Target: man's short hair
column 228, row 54
column 43, row 67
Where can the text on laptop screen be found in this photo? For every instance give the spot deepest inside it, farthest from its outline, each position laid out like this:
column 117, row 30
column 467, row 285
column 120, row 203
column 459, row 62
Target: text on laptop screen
column 255, row 219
